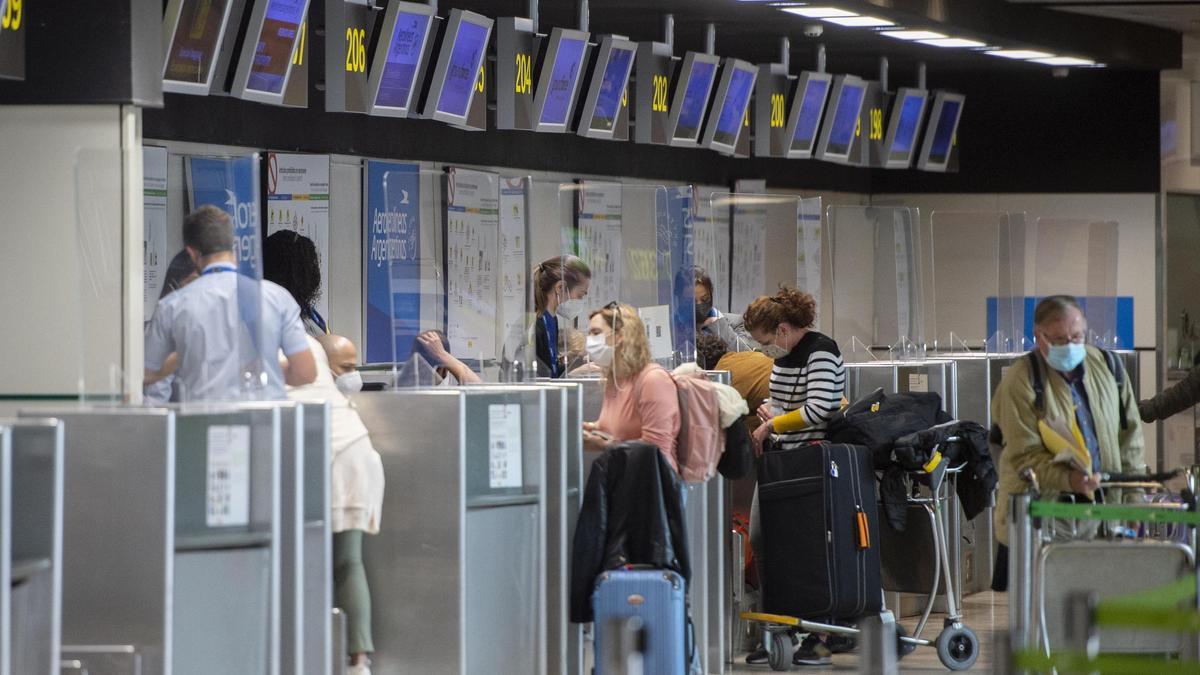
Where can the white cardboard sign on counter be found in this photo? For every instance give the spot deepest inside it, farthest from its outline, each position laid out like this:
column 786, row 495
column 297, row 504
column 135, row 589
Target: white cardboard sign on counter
column 228, row 483
column 504, row 445
column 657, row 320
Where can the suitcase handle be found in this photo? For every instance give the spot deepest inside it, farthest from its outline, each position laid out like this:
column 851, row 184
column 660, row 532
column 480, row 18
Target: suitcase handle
column 864, row 530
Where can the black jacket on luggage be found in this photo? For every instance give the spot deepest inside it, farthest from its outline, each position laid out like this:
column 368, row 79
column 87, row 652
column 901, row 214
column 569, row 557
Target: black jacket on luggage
column 632, row 514
column 976, row 483
column 820, row 532
column 878, row 419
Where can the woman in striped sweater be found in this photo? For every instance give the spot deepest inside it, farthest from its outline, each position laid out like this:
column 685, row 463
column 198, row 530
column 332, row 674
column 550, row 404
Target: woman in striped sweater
column 807, row 382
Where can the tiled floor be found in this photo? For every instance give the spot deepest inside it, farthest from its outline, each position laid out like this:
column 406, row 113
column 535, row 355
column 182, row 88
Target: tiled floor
column 984, row 613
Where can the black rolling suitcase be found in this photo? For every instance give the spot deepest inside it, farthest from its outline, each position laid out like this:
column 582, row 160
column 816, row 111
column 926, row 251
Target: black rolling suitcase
column 820, row 532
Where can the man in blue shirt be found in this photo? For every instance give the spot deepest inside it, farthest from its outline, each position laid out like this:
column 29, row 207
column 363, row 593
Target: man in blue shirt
column 222, row 334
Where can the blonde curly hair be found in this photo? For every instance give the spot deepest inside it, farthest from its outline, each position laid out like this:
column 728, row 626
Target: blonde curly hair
column 633, row 353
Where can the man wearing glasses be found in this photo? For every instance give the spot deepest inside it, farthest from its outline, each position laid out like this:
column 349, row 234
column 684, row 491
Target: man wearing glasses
column 1068, row 411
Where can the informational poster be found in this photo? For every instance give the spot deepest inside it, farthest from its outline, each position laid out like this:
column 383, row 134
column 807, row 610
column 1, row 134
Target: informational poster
column 298, row 200
column 711, row 228
column 472, row 241
column 514, row 265
column 749, row 248
column 598, row 228
column 657, row 320
column 231, row 183
column 504, row 445
column 227, row 485
column 392, row 253
column 808, row 249
column 155, row 258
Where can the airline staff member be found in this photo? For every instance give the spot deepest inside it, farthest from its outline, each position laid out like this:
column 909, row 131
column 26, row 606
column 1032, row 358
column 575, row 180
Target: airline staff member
column 197, row 333
column 560, row 285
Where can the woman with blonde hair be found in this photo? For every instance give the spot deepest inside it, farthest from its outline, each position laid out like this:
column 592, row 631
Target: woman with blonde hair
column 640, row 400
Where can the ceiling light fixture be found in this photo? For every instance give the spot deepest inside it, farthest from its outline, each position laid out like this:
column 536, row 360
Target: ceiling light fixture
column 1064, row 61
column 1022, row 54
column 960, row 43
column 819, row 12
column 860, row 21
column 913, row 34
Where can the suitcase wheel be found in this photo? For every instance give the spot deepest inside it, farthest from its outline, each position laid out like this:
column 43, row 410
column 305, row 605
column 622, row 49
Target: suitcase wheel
column 957, row 647
column 780, row 655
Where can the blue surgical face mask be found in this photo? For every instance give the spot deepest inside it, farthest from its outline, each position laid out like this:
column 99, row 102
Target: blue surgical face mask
column 1065, row 358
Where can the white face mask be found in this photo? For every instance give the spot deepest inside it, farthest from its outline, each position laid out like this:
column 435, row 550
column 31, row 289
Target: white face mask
column 775, row 351
column 599, row 351
column 349, row 383
column 570, row 309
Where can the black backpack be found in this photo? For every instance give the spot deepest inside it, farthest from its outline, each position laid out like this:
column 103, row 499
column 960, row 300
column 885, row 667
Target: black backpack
column 1037, row 379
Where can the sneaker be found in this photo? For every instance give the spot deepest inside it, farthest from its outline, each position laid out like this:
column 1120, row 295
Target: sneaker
column 840, row 644
column 812, row 652
column 757, row 657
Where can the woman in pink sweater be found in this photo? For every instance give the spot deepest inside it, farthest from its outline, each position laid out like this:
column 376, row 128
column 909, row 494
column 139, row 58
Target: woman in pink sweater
column 640, row 401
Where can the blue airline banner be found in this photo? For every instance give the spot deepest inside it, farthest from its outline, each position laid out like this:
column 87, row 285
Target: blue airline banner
column 676, row 261
column 231, row 184
column 391, row 235
column 1103, row 308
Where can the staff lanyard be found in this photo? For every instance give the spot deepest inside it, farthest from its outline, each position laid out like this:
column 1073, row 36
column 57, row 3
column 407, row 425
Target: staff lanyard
column 214, row 269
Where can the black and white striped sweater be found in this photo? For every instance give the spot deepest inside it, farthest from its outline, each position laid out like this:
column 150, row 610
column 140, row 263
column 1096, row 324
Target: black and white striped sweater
column 810, row 381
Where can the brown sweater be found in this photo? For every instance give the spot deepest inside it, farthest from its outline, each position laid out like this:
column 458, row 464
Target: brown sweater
column 750, row 374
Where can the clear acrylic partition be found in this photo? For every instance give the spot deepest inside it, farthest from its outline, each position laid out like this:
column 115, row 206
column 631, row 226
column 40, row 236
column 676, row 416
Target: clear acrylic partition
column 255, row 371
column 877, row 285
column 636, row 243
column 1016, row 261
column 95, row 274
column 777, row 240
column 1079, row 258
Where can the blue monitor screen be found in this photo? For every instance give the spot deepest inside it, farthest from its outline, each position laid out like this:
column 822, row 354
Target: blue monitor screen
column 943, row 135
column 465, row 56
column 845, row 119
column 403, row 55
column 612, row 89
column 273, row 55
column 810, row 114
column 695, row 97
column 563, row 75
column 733, row 108
column 906, row 127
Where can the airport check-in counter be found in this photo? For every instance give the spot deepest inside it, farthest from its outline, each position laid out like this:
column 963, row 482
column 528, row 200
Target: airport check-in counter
column 171, row 539
column 456, row 573
column 31, row 492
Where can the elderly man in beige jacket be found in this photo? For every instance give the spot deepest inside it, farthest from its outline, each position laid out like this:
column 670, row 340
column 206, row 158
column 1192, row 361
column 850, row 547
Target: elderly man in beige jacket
column 1080, row 392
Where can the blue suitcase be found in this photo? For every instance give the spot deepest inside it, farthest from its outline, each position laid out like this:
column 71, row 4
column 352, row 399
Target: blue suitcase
column 655, row 596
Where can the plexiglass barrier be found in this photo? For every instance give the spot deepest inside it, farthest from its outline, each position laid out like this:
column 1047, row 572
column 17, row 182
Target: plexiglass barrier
column 777, row 240
column 626, row 244
column 877, row 283
column 1078, row 256
column 977, row 282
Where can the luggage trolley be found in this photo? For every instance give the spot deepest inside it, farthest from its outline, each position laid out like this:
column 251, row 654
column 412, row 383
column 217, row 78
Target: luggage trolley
column 957, row 645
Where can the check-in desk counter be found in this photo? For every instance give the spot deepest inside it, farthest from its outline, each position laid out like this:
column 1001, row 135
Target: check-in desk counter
column 31, row 491
column 171, row 539
column 456, row 571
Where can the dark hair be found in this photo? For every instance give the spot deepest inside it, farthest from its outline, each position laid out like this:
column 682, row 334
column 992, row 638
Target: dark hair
column 419, row 348
column 209, row 230
column 1052, row 308
column 709, row 350
column 290, row 260
column 567, row 268
column 704, row 280
column 767, row 312
column 180, row 268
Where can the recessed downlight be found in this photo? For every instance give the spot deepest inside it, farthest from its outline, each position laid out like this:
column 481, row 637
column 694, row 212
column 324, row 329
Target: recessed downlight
column 1064, row 61
column 952, row 42
column 1021, row 54
column 819, row 12
column 914, row 34
column 860, row 21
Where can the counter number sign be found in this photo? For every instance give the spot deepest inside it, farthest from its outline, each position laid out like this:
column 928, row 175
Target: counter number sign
column 12, row 39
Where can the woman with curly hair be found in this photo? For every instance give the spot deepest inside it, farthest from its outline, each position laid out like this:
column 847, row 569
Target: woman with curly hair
column 290, row 260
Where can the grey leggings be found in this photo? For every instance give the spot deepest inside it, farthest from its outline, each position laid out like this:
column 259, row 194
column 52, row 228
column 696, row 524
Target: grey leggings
column 350, row 591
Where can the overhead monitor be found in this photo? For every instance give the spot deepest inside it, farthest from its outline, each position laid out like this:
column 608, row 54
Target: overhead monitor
column 900, row 141
column 808, row 104
column 452, row 87
column 729, row 106
column 692, row 88
column 841, row 118
column 396, row 67
column 266, row 59
column 558, row 81
column 940, row 131
column 194, row 32
column 610, row 76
